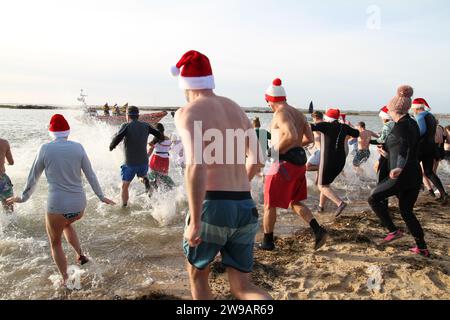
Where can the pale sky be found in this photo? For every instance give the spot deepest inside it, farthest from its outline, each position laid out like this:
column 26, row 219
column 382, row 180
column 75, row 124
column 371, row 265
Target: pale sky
column 122, row 50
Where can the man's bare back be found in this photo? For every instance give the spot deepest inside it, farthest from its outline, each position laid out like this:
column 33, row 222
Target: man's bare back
column 364, row 139
column 5, row 155
column 291, row 129
column 217, row 114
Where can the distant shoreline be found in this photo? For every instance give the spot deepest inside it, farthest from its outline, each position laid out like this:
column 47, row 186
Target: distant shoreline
column 169, row 109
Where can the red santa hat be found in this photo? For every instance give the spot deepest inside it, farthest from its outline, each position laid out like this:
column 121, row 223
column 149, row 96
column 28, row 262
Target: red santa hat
column 332, row 115
column 194, row 71
column 276, row 93
column 384, row 113
column 420, row 103
column 59, row 127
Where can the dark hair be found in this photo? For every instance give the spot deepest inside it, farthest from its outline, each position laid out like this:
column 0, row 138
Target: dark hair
column 160, row 128
column 256, row 122
column 362, row 124
column 317, row 115
column 447, row 128
column 133, row 112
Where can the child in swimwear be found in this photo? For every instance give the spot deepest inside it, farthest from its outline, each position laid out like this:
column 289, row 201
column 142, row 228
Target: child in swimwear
column 159, row 162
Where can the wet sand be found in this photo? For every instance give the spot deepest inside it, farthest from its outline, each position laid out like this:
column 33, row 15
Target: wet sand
column 340, row 269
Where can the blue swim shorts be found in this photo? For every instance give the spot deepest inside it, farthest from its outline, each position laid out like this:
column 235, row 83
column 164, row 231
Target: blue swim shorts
column 129, row 172
column 229, row 226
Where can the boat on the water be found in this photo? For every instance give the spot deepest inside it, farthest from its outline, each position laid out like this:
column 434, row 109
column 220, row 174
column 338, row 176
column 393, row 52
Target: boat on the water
column 151, row 118
column 91, row 114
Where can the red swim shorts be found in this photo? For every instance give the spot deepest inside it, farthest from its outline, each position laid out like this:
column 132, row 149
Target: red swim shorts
column 159, row 164
column 285, row 184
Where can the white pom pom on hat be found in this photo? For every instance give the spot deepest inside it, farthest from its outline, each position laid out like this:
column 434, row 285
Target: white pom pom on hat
column 175, row 71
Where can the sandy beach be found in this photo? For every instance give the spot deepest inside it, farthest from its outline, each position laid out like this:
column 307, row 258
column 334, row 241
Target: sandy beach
column 340, row 271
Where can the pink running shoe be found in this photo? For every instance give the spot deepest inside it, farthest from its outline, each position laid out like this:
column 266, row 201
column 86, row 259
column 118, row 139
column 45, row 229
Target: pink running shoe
column 422, row 252
column 393, row 236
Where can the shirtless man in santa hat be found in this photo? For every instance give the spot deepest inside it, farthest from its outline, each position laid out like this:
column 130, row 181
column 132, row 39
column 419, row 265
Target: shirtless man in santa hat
column 222, row 215
column 286, row 181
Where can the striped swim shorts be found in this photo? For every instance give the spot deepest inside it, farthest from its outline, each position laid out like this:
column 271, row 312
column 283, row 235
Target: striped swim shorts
column 229, row 226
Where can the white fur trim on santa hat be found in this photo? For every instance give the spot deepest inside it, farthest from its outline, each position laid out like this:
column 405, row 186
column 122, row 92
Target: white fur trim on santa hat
column 328, row 119
column 420, row 106
column 197, row 83
column 60, row 134
column 385, row 116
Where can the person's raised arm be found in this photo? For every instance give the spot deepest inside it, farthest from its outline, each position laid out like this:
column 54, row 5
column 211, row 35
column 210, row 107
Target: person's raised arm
column 155, row 133
column 118, row 137
column 319, row 127
column 9, row 156
column 195, row 173
column 92, row 178
column 352, row 132
column 34, row 175
column 374, row 135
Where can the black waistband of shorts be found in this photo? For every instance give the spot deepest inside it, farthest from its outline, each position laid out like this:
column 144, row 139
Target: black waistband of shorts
column 228, row 195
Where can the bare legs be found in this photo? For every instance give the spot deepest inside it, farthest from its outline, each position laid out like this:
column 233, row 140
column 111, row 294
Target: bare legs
column 270, row 218
column 303, row 211
column 125, row 193
column 56, row 225
column 240, row 285
column 327, row 192
column 198, row 279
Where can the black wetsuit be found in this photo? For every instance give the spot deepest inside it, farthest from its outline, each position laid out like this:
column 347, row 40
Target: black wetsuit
column 428, row 152
column 332, row 146
column 135, row 135
column 402, row 148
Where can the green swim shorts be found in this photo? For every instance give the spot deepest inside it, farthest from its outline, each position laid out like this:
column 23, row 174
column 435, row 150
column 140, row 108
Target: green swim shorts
column 6, row 187
column 160, row 180
column 229, row 226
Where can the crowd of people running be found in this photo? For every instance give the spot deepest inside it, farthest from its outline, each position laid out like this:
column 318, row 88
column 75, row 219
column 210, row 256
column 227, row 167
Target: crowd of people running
column 223, row 219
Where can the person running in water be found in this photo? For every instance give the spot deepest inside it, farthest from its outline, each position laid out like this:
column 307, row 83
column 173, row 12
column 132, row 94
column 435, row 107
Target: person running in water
column 159, row 162
column 363, row 153
column 6, row 187
column 440, row 155
column 222, row 215
column 263, row 135
column 427, row 146
column 135, row 134
column 63, row 161
column 405, row 176
column 447, row 143
column 314, row 160
column 286, row 181
column 332, row 156
column 177, row 152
